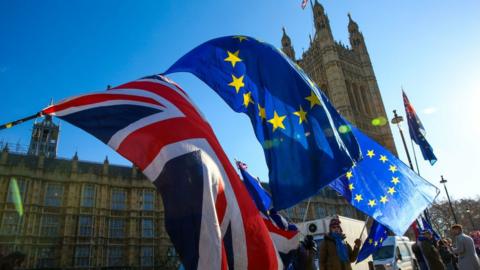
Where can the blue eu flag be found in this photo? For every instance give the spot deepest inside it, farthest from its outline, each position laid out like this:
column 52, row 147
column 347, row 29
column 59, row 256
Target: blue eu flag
column 378, row 233
column 417, row 131
column 259, row 195
column 306, row 142
column 383, row 187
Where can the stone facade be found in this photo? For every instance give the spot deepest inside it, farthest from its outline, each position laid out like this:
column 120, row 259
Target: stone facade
column 81, row 215
column 346, row 76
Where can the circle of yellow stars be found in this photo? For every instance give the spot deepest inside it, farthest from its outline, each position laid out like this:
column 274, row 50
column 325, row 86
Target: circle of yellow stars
column 391, row 190
column 277, row 121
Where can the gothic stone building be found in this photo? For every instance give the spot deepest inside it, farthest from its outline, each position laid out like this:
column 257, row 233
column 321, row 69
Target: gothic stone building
column 346, row 76
column 73, row 214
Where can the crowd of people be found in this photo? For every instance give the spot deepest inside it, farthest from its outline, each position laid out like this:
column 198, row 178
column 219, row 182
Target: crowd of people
column 334, row 253
column 445, row 254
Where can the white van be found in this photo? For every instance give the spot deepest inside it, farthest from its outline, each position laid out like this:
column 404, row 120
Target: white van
column 396, row 253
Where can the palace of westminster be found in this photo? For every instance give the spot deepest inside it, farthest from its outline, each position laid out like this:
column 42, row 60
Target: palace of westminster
column 85, row 215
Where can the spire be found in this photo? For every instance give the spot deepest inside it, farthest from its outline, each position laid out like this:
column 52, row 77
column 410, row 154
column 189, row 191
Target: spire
column 352, row 25
column 287, row 45
column 105, row 166
column 75, row 157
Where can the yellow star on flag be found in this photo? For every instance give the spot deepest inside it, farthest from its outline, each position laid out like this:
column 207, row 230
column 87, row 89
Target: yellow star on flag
column 237, row 83
column 247, row 99
column 384, row 199
column 393, row 168
column 302, row 115
column 376, row 243
column 371, row 203
column 383, row 158
column 261, row 112
column 395, row 180
column 391, row 190
column 233, row 58
column 241, row 38
column 277, row 121
column 370, row 153
column 350, row 186
column 358, row 197
column 313, row 99
column 349, row 175
column 381, row 239
column 370, row 241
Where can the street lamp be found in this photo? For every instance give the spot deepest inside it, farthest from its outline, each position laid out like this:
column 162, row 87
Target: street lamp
column 444, row 182
column 470, row 217
column 397, row 119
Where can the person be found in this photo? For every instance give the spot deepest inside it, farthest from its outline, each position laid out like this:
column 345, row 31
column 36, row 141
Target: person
column 446, row 254
column 304, row 258
column 422, row 265
column 430, row 252
column 448, row 241
column 334, row 252
column 465, row 249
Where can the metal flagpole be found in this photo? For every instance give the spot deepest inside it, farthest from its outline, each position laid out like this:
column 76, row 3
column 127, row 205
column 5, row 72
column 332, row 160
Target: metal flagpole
column 306, row 211
column 397, row 120
column 19, row 121
column 364, row 227
column 415, row 156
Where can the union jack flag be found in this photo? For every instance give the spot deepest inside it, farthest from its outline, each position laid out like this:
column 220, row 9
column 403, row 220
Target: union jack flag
column 209, row 216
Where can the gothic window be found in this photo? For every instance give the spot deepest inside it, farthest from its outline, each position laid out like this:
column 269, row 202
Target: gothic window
column 117, row 228
column 115, row 256
column 367, row 99
column 10, row 223
column 88, row 195
column 356, row 94
column 147, row 228
column 46, row 258
column 146, row 256
column 85, row 224
column 50, row 225
column 54, row 195
column 148, row 200
column 118, row 199
column 351, row 96
column 82, row 256
column 12, row 193
column 320, row 212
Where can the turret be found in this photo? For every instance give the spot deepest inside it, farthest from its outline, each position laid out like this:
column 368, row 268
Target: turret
column 323, row 33
column 105, row 166
column 287, row 45
column 356, row 37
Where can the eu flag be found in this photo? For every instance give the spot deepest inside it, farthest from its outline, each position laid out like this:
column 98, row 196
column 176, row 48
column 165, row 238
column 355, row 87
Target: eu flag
column 378, row 233
column 259, row 195
column 417, row 131
column 383, row 187
column 306, row 142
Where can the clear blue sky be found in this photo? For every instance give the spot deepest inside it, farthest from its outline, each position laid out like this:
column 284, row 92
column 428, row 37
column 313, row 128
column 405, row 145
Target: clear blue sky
column 56, row 49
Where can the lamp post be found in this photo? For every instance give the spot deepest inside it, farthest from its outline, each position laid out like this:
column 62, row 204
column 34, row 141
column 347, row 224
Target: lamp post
column 444, row 182
column 469, row 213
column 397, row 119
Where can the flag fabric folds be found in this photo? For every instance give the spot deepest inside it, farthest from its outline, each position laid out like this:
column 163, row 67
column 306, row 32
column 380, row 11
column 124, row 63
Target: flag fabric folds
column 417, row 131
column 305, row 140
column 378, row 233
column 428, row 226
column 208, row 215
column 285, row 235
column 383, row 187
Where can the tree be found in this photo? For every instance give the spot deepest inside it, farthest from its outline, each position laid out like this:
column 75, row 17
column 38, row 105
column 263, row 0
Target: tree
column 467, row 212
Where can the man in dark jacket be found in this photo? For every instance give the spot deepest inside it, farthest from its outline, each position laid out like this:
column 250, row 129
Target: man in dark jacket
column 430, row 252
column 334, row 252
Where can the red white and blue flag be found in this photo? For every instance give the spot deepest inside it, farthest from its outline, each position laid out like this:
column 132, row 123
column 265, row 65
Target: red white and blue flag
column 209, row 216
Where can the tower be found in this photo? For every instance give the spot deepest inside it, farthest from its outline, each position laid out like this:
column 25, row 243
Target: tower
column 44, row 138
column 287, row 45
column 345, row 74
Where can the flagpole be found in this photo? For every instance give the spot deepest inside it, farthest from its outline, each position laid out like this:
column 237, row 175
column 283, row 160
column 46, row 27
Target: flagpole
column 397, row 119
column 19, row 121
column 415, row 156
column 364, row 227
column 306, row 211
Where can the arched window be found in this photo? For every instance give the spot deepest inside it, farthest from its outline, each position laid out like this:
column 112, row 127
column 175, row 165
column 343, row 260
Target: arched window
column 350, row 96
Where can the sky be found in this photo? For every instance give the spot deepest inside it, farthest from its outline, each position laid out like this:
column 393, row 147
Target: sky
column 57, row 49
